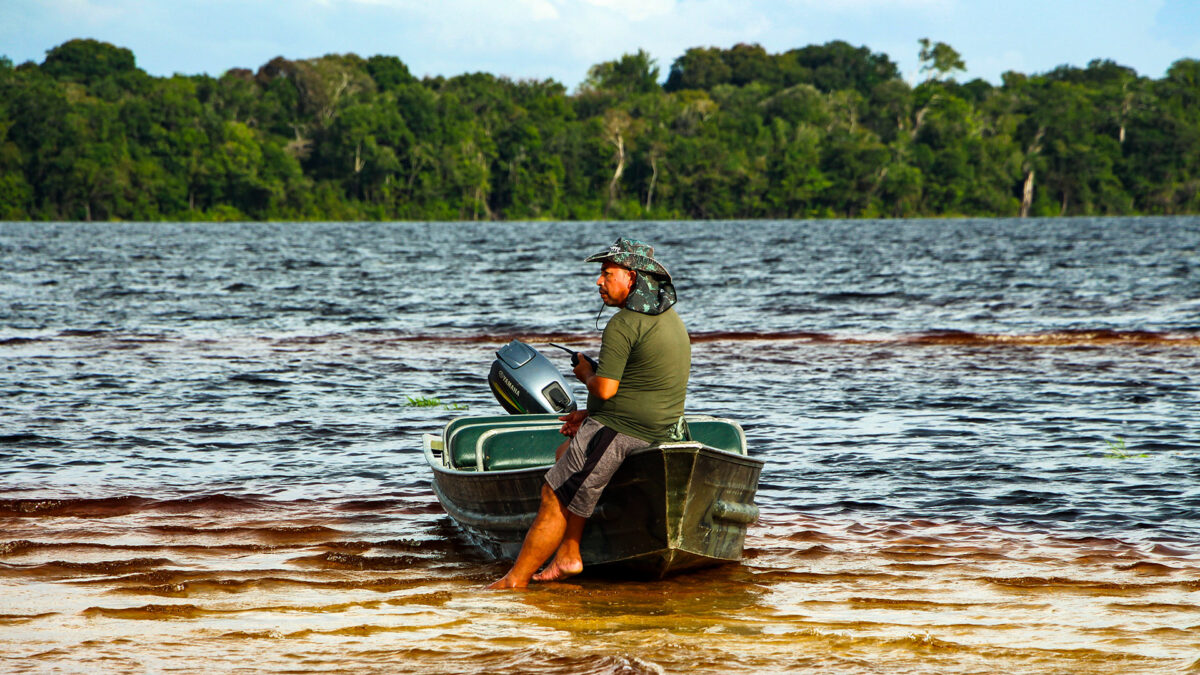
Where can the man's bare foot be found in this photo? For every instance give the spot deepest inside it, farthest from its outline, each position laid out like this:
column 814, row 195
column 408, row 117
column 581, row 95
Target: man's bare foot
column 559, row 570
column 505, row 583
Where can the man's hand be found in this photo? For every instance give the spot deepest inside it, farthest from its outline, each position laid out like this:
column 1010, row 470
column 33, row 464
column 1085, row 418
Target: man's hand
column 571, row 422
column 583, row 369
column 603, row 387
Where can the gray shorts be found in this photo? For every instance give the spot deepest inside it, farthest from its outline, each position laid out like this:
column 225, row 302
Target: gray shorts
column 592, row 456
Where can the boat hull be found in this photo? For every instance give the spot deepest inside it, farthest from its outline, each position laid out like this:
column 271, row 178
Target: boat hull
column 667, row 509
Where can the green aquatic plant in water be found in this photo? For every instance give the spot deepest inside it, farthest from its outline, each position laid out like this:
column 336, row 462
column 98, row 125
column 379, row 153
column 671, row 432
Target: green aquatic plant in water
column 1117, row 450
column 433, row 402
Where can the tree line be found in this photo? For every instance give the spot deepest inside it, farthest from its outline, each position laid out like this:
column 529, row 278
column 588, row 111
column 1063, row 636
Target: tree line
column 821, row 131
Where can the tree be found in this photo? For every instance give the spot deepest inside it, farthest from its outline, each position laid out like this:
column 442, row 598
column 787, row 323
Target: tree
column 87, row 61
column 617, row 125
column 698, row 68
column 388, row 72
column 940, row 60
column 750, row 63
column 837, row 65
column 631, row 74
column 794, row 176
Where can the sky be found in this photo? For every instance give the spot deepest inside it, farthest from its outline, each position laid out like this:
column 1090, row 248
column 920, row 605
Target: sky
column 561, row 39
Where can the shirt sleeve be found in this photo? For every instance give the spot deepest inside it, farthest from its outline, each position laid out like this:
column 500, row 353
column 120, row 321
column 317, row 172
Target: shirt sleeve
column 614, row 349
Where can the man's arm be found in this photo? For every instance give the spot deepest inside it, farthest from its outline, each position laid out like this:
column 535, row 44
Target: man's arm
column 603, row 387
column 571, row 422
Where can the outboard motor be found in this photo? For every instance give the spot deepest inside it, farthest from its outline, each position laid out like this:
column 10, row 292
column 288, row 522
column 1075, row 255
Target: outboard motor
column 525, row 382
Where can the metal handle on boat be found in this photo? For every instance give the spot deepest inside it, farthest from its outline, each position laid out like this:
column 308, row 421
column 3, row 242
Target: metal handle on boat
column 734, row 512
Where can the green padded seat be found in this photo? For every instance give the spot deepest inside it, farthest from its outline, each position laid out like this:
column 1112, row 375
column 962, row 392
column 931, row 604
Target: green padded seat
column 460, row 422
column 520, row 448
column 717, row 433
column 461, row 436
column 505, row 442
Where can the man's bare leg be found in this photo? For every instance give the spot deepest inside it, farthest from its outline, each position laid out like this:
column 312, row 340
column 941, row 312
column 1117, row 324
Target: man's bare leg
column 541, row 541
column 567, row 561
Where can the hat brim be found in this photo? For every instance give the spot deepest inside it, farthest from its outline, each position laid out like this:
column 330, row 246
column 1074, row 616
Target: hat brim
column 631, row 261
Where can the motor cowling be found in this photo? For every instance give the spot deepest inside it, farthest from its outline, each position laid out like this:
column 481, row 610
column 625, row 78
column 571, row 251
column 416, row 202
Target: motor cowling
column 525, row 382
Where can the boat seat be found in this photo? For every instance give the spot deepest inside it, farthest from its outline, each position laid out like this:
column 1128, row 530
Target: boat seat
column 531, row 445
column 717, row 433
column 519, row 448
column 460, row 422
column 506, row 442
column 461, row 436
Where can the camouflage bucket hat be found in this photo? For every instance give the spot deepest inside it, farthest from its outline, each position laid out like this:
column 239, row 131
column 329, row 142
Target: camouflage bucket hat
column 653, row 291
column 633, row 254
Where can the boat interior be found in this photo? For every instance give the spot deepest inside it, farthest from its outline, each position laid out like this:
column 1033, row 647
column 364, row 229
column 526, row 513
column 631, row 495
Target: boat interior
column 514, row 442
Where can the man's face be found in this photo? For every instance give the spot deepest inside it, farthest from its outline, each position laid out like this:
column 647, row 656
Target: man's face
column 615, row 283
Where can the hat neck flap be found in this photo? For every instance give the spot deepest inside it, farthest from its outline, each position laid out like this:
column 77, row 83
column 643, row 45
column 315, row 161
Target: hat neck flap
column 651, row 294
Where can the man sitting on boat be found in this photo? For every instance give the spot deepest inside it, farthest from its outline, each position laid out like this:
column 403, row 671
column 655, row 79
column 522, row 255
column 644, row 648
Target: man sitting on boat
column 635, row 399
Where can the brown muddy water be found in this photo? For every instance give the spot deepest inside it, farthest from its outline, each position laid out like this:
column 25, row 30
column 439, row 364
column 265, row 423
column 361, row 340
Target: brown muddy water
column 224, row 584
column 982, row 445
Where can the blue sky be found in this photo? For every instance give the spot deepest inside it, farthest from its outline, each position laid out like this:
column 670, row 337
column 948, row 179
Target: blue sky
column 560, row 39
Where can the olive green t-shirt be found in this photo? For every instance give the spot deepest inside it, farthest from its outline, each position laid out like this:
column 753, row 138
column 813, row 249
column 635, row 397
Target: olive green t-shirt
column 650, row 357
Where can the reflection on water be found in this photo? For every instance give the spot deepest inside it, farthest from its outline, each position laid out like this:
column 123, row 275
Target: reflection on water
column 980, row 442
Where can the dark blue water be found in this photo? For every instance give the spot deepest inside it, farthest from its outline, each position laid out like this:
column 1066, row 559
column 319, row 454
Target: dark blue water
column 851, row 278
column 983, row 369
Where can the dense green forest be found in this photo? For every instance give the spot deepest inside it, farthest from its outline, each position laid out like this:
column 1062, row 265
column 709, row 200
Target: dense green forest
column 821, row 131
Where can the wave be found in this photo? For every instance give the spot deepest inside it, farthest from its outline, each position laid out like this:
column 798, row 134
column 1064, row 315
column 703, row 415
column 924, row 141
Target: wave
column 297, row 540
column 152, row 612
column 252, row 378
column 106, row 507
column 1145, row 568
column 1046, row 583
column 30, row 440
column 336, row 560
column 284, row 532
column 179, row 581
column 1102, row 337
column 14, row 619
column 80, row 507
column 57, row 568
column 1099, row 337
column 1074, row 337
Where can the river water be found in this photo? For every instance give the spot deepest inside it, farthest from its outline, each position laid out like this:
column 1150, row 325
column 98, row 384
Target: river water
column 982, row 445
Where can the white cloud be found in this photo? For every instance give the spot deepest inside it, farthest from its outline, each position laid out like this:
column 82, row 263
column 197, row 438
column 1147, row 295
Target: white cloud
column 541, row 10
column 834, row 6
column 637, row 10
column 382, row 3
column 90, row 11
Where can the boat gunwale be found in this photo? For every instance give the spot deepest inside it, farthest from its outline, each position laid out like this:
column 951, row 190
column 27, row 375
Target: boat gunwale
column 447, row 463
column 440, row 466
